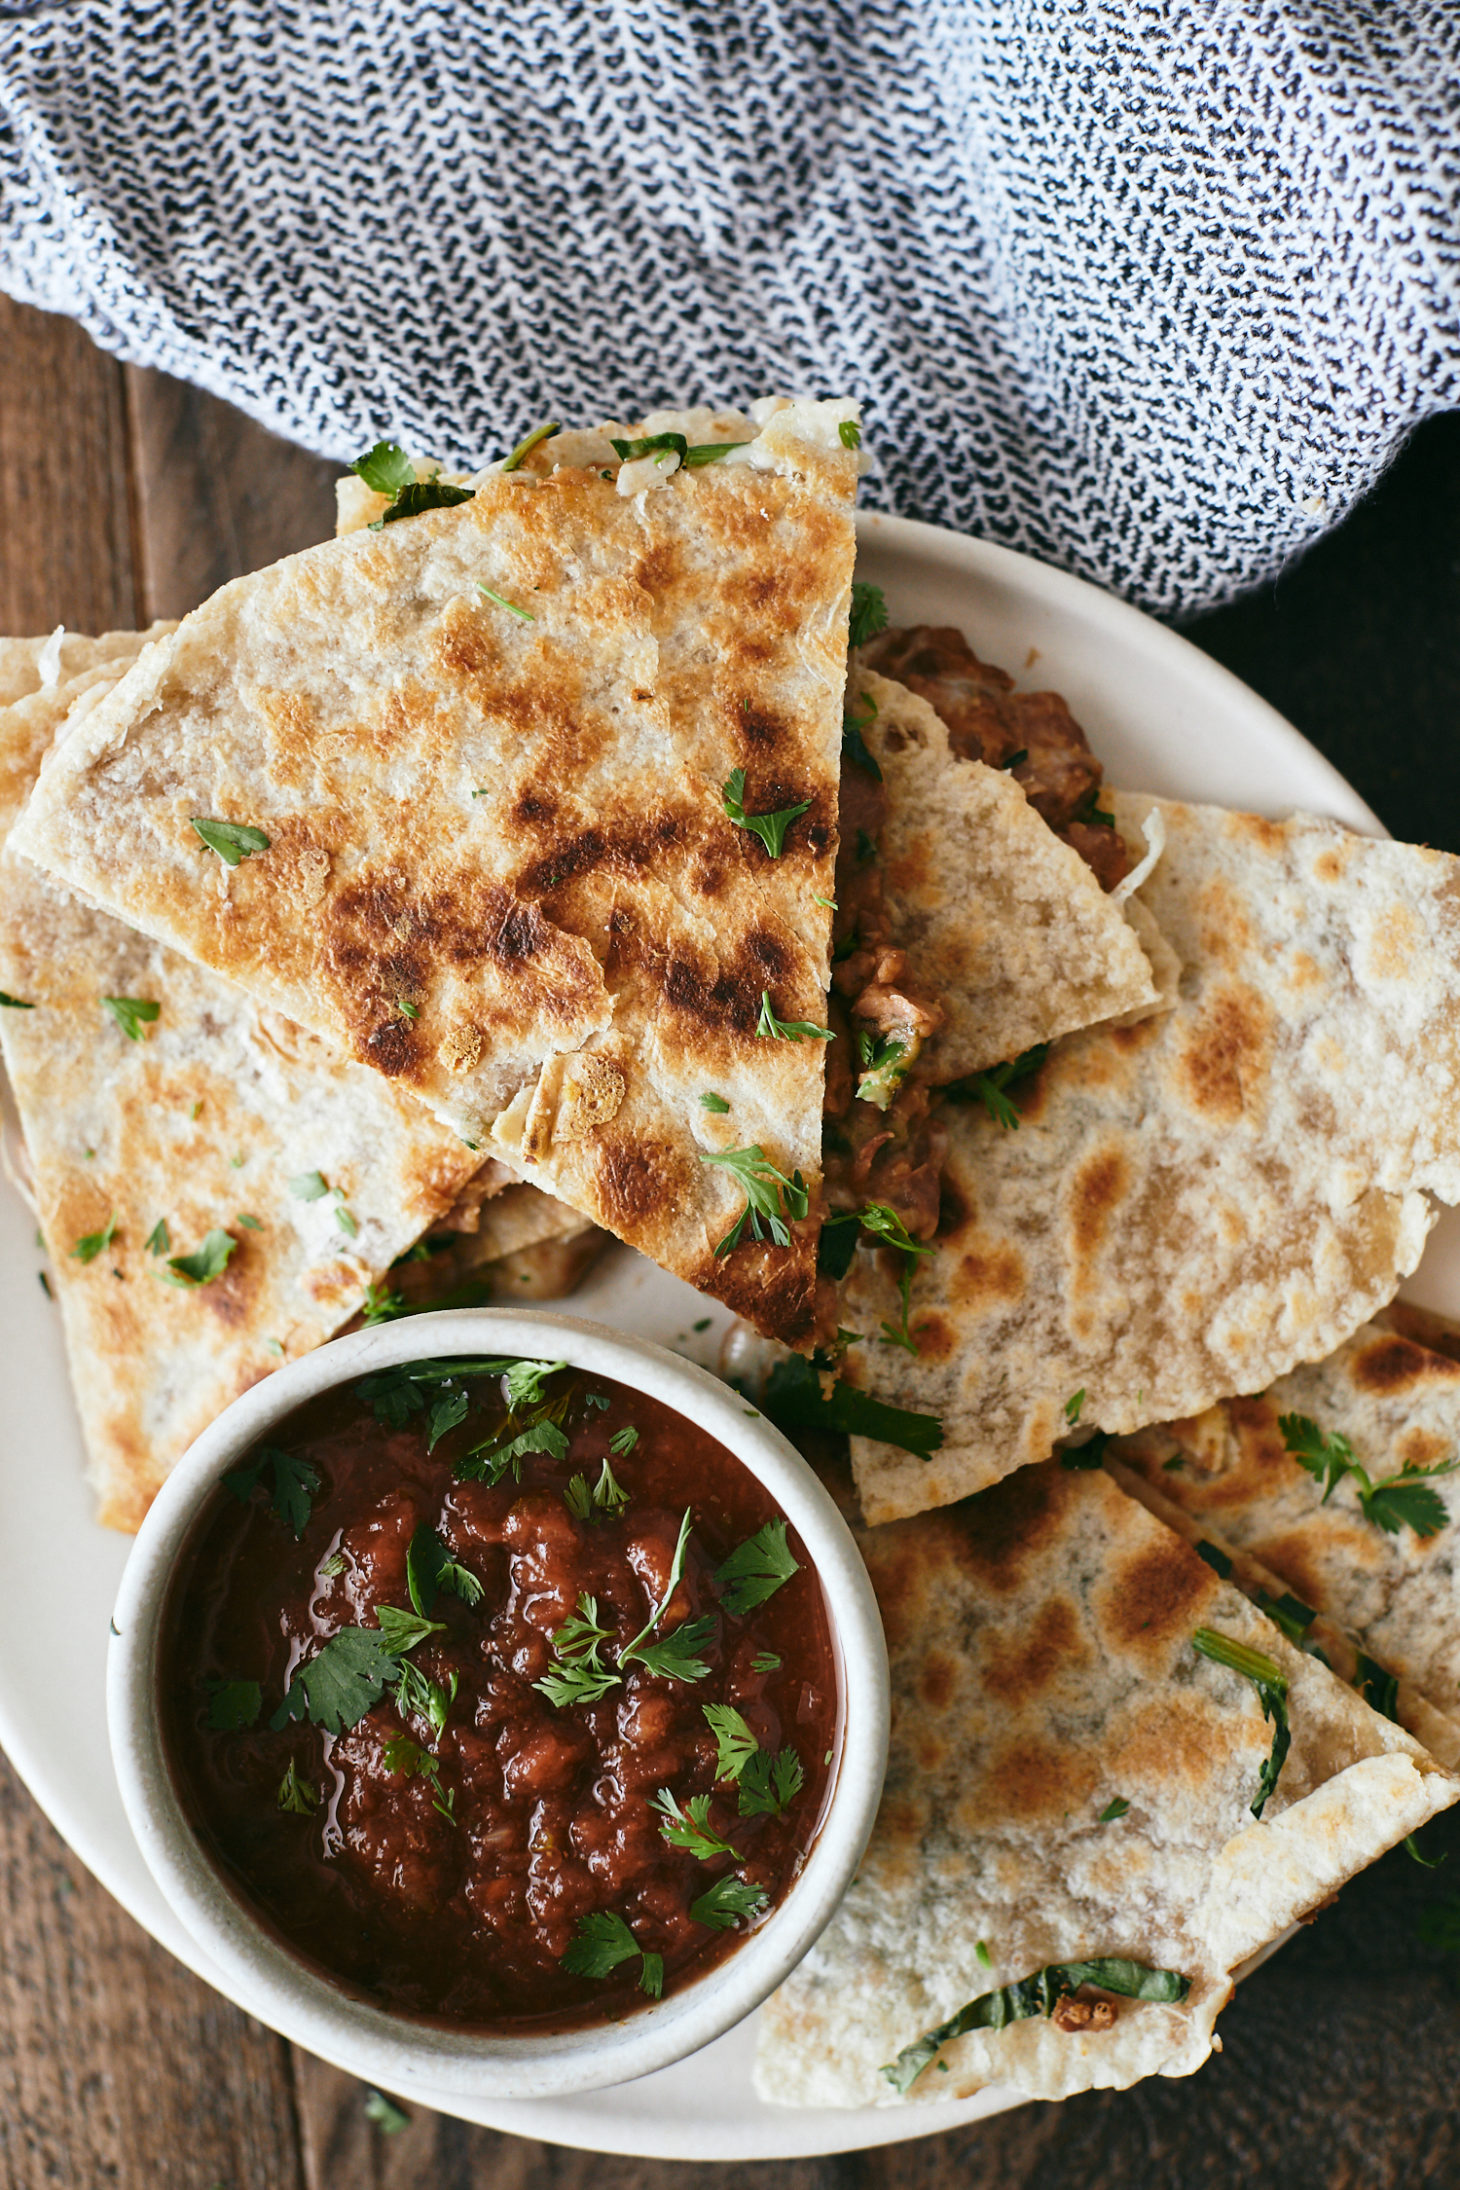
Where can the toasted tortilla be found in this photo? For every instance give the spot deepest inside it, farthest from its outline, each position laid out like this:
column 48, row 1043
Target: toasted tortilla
column 1001, row 920
column 1042, row 1668
column 1190, row 1206
column 200, row 1123
column 1229, row 1469
column 499, row 862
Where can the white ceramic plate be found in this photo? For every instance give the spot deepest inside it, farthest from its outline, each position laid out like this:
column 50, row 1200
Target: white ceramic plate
column 1163, row 718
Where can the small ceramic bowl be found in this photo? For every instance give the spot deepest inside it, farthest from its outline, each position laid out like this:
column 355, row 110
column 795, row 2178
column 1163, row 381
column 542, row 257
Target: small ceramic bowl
column 394, row 2050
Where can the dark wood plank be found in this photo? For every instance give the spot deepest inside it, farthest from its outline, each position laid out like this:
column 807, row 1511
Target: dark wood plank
column 216, row 495
column 65, row 509
column 116, row 2065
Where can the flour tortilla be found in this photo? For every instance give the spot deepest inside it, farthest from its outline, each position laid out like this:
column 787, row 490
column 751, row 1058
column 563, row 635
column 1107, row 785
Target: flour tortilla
column 1229, row 1469
column 1040, row 1642
column 592, row 933
column 1001, row 921
column 201, row 1122
column 1193, row 1205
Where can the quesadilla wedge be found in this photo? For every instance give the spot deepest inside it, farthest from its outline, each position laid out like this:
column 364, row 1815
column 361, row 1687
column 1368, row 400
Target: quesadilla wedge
column 1186, row 1208
column 217, row 1189
column 1001, row 922
column 1066, row 1849
column 529, row 804
column 1343, row 1478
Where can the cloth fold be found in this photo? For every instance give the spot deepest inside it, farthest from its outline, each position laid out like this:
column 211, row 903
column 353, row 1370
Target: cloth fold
column 1154, row 293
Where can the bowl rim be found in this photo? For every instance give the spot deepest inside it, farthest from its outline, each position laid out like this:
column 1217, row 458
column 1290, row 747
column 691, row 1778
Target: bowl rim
column 285, row 1991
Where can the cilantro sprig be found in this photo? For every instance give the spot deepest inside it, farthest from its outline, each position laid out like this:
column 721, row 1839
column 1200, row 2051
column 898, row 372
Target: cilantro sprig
column 386, row 469
column 771, row 1199
column 233, row 841
column 756, row 1569
column 132, row 1014
column 92, row 1244
column 345, row 1678
column 607, row 1496
column 729, row 1901
column 1036, row 1995
column 771, row 1029
column 794, row 1400
column 770, row 828
column 1394, row 1501
column 204, row 1264
column 869, row 612
column 578, row 1674
column 296, row 1794
column 602, row 1942
column 1271, row 1684
column 294, row 1483
column 689, row 1828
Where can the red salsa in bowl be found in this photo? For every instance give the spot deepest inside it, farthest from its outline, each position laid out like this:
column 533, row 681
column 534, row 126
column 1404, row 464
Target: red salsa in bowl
column 502, row 1693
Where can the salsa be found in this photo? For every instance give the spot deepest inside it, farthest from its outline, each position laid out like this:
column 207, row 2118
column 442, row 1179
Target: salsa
column 504, row 1694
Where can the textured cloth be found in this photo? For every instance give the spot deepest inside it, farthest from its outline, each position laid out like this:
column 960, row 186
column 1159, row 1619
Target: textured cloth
column 1151, row 288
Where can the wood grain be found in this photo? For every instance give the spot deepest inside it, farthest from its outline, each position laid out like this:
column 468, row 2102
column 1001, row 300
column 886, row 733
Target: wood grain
column 123, row 496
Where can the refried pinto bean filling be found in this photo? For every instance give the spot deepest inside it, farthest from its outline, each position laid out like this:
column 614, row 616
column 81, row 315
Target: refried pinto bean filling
column 492, row 1732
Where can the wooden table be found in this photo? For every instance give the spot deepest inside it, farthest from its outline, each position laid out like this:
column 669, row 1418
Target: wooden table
column 124, row 496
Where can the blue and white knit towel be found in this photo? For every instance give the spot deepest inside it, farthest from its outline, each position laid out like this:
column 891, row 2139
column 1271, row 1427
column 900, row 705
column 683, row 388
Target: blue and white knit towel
column 1152, row 288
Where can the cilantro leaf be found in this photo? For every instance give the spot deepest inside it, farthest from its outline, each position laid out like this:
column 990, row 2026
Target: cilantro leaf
column 794, row 1401
column 765, row 1661
column 869, row 612
column 346, row 1678
column 403, row 1630
column 204, row 1264
column 675, row 1656
column 296, row 1794
column 1378, row 1687
column 388, row 2118
column 382, row 1304
column 770, row 828
column 233, row 841
column 623, row 1441
column 989, row 1088
column 727, row 1901
column 529, row 442
column 602, row 1942
column 431, row 1568
column 385, row 469
column 294, row 1480
column 1271, row 1684
column 770, row 1197
column 1036, row 1995
column 579, row 1675
column 1073, row 1405
column 756, row 1569
column 523, row 615
column 854, row 745
column 92, row 1244
column 768, row 1783
column 735, row 1744
column 1406, row 1499
column 676, row 1571
column 419, row 495
column 132, row 1014
column 308, row 1186
column 1328, row 1459
column 689, row 1828
column 233, row 1704
column 525, row 1381
column 850, row 433
column 419, row 1696
column 490, row 1461
column 607, row 1494
column 716, row 1103
column 448, row 1412
column 14, row 1003
column 770, row 1028
column 1115, row 1808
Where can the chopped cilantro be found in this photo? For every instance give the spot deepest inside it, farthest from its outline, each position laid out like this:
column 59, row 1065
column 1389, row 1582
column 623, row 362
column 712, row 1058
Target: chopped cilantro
column 676, row 1572
column 794, row 1400
column 602, row 1942
column 1036, row 1995
column 770, row 828
column 14, row 1003
column 1073, row 1405
column 406, row 1008
column 382, row 1304
column 1114, row 1809
column 296, row 1794
column 308, row 1186
column 295, row 1481
column 132, row 1013
column 579, row 1675
column 343, row 1680
column 344, row 1218
column 735, row 1744
column 523, row 615
column 233, row 1704
column 386, row 469
column 728, row 1901
column 1395, row 1500
column 233, row 841
column 418, row 1696
column 607, row 1495
column 869, row 612
column 388, row 2118
column 430, row 1569
column 710, row 1101
column 756, row 1569
column 768, row 1783
column 1272, row 1689
column 689, row 1828
column 990, row 1088
column 770, row 1197
column 92, row 1244
column 529, row 442
column 770, row 1028
column 765, row 1661
column 403, row 1630
column 624, row 1440
column 204, row 1264
column 490, row 1461
column 854, row 744
column 333, row 1565
column 851, row 433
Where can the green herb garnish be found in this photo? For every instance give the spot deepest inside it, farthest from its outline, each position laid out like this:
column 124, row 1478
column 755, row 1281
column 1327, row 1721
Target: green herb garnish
column 296, row 1794
column 869, row 612
column 1271, row 1684
column 1289, row 1613
column 233, row 841
column 386, row 469
column 768, row 1783
column 851, row 433
column 418, row 1696
column 770, row 1197
column 1393, row 1501
column 989, row 1087
column 756, row 1569
column 728, row 1901
column 1036, row 1995
column 132, row 1014
column 204, row 1264
column 295, row 1481
column 14, row 1003
column 1114, row 1809
column 602, row 1942
column 689, row 1828
column 92, row 1244
column 529, row 442
column 308, row 1186
column 770, row 1028
column 233, row 1705
column 770, row 828
column 717, row 1103
column 854, row 744
column 1378, row 1687
column 579, row 1675
column 388, row 2118
column 765, row 1661
column 606, row 1496
column 430, row 1570
column 794, row 1400
column 523, row 615
column 346, row 1678
column 735, row 1744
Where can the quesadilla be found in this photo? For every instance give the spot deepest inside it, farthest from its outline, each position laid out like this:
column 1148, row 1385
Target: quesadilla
column 217, row 1189
column 1341, row 1478
column 1066, row 1849
column 1185, row 1208
column 528, row 803
column 1002, row 924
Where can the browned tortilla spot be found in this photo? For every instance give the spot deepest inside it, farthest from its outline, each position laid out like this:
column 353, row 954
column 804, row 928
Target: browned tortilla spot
column 1156, row 1596
column 1228, row 1042
column 1036, row 1656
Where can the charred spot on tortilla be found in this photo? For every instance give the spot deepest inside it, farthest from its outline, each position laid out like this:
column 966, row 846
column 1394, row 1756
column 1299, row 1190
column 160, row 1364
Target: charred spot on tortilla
column 1156, row 1594
column 1392, row 1364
